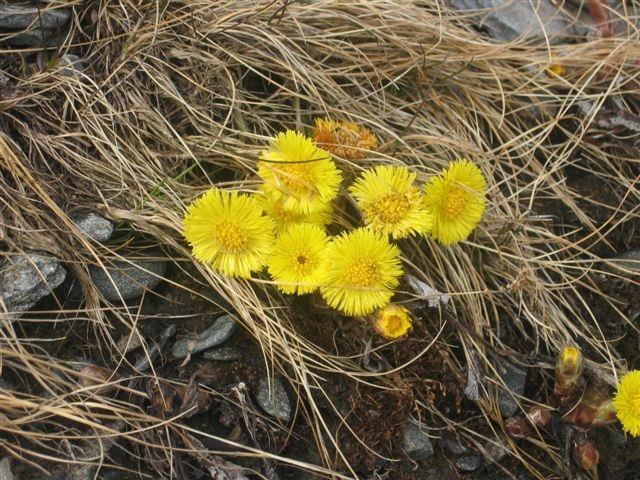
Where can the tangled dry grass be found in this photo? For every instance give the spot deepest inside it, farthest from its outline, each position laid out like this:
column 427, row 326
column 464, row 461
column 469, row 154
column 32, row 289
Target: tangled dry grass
column 181, row 95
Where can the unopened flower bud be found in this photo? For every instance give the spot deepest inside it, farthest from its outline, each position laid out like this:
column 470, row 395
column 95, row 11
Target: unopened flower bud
column 595, row 410
column 517, row 427
column 539, row 416
column 586, row 455
column 569, row 369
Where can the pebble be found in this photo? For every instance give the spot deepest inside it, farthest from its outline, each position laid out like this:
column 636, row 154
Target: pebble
column 70, row 65
column 218, row 333
column 93, row 226
column 515, row 379
column 626, row 261
column 507, row 21
column 454, row 445
column 225, row 353
column 416, row 443
column 25, row 279
column 16, row 17
column 127, row 279
column 5, row 470
column 468, row 463
column 273, row 399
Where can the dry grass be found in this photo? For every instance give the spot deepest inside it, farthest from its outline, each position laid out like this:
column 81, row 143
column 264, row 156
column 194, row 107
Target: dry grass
column 180, row 96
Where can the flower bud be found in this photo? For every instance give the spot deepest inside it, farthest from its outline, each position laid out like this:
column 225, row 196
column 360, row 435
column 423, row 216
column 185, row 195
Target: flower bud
column 569, row 369
column 595, row 410
column 586, row 455
column 517, row 427
column 539, row 416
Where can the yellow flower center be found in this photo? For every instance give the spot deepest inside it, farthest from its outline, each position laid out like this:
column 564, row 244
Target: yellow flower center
column 390, row 208
column 296, row 176
column 455, row 201
column 230, row 237
column 363, row 273
column 394, row 324
column 303, row 263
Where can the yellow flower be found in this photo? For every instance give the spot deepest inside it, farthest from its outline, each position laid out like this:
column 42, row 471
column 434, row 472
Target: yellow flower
column 390, row 202
column 295, row 262
column 344, row 139
column 285, row 219
column 392, row 321
column 627, row 402
column 456, row 200
column 299, row 175
column 228, row 231
column 360, row 271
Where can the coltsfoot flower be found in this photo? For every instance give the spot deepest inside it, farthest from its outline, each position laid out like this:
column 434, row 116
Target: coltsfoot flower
column 300, row 176
column 456, row 200
column 360, row 271
column 284, row 218
column 296, row 258
column 627, row 402
column 228, row 231
column 390, row 201
column 392, row 321
column 344, row 139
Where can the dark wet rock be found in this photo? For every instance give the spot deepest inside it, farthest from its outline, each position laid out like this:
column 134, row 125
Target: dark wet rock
column 127, row 279
column 153, row 351
column 416, row 443
column 218, row 333
column 224, row 353
column 36, row 38
column 273, row 399
column 5, row 470
column 515, row 380
column 93, row 226
column 507, row 21
column 18, row 17
column 25, row 279
column 468, row 463
column 454, row 445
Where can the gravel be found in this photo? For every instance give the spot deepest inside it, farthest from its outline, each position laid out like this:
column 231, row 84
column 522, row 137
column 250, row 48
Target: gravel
column 218, row 333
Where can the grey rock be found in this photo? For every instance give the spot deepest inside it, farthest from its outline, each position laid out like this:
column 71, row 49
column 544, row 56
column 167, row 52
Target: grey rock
column 16, row 17
column 224, row 353
column 626, row 261
column 515, row 380
column 218, row 333
column 506, row 21
column 127, row 279
column 144, row 361
column 70, row 65
column 415, row 442
column 273, row 399
column 36, row 38
column 93, row 226
column 454, row 445
column 25, row 279
column 5, row 470
column 495, row 451
column 468, row 463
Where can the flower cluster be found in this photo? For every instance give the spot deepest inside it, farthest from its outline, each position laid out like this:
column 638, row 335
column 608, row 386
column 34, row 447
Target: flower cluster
column 283, row 226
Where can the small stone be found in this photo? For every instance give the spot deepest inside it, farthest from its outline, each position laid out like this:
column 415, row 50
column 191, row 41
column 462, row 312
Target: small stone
column 225, row 353
column 16, row 17
column 626, row 261
column 273, row 399
column 25, row 279
column 5, row 470
column 127, row 279
column 515, row 380
column 218, row 333
column 454, row 445
column 468, row 463
column 416, row 443
column 508, row 21
column 153, row 352
column 70, row 65
column 36, row 38
column 93, row 226
column 495, row 451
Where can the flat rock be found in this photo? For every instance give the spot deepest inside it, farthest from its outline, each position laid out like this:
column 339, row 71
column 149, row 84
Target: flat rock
column 92, row 225
column 36, row 38
column 273, row 399
column 5, row 470
column 127, row 279
column 218, row 333
column 415, row 442
column 515, row 379
column 16, row 17
column 224, row 353
column 506, row 21
column 25, row 279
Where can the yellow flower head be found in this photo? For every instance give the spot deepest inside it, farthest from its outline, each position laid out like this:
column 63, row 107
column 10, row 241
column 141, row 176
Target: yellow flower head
column 391, row 203
column 344, row 139
column 392, row 321
column 284, row 219
column 456, row 201
column 228, row 231
column 296, row 259
column 360, row 271
column 627, row 402
column 299, row 175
